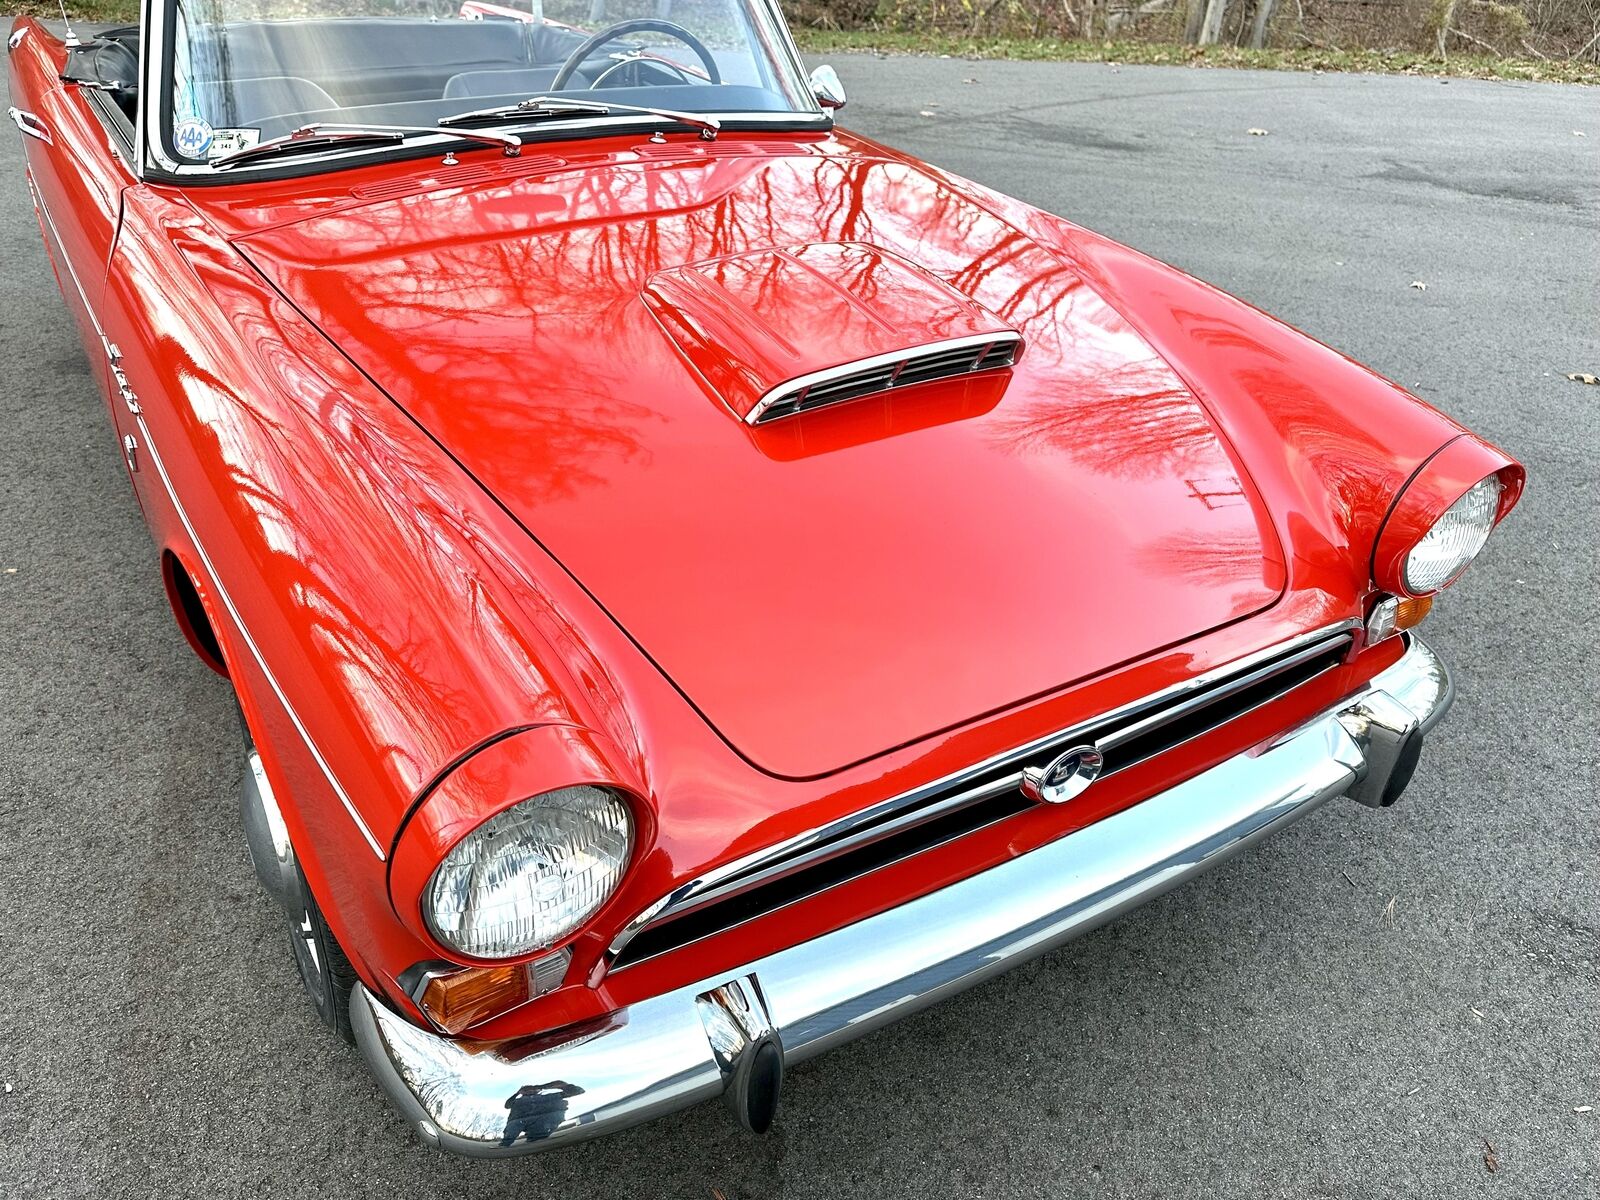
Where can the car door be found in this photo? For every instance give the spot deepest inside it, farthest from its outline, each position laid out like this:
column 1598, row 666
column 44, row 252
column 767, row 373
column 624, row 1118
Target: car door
column 77, row 165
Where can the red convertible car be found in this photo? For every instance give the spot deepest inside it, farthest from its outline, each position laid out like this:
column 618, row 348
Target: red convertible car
column 699, row 584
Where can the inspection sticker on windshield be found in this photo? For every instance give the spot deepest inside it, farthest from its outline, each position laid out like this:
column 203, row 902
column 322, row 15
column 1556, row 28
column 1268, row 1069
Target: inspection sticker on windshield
column 192, row 137
column 226, row 141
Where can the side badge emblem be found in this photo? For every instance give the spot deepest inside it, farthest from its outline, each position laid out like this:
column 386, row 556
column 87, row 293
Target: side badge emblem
column 1067, row 777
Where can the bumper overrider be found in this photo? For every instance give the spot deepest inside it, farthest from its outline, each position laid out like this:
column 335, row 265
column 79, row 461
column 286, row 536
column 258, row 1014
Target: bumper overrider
column 733, row 1033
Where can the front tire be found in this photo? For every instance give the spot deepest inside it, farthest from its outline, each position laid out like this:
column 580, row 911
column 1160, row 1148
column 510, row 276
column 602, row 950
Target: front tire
column 324, row 969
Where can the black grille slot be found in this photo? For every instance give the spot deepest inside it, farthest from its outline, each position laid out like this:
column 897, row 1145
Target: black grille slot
column 745, row 906
column 938, row 366
column 847, row 388
column 926, row 367
column 1001, row 354
column 971, row 800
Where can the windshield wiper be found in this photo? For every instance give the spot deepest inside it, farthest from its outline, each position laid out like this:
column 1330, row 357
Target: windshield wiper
column 560, row 106
column 318, row 136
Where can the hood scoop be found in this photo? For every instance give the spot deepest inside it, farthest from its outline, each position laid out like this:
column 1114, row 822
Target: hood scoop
column 777, row 332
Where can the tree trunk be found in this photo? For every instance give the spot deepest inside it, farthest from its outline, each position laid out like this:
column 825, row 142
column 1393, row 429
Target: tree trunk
column 1258, row 35
column 1444, row 27
column 1130, row 16
column 1194, row 19
column 1211, row 27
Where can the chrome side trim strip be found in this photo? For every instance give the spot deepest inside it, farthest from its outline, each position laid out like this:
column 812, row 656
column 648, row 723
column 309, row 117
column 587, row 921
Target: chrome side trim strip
column 199, row 547
column 662, row 1054
column 918, row 805
column 828, row 374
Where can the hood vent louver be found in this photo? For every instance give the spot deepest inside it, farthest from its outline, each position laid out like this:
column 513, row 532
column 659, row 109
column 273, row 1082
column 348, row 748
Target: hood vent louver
column 781, row 331
column 944, row 360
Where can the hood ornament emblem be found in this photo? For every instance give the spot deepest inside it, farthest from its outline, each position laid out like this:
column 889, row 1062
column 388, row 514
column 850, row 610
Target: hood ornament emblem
column 1067, row 777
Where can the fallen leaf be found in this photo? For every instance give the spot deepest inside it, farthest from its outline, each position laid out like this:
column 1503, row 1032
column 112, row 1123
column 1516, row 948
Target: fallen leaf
column 1490, row 1162
column 1579, row 133
column 8, row 1092
column 1575, row 376
column 1419, row 285
column 1256, row 132
column 1388, row 912
column 1580, row 1108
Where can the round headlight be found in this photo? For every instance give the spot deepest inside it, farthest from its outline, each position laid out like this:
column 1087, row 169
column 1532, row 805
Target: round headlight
column 529, row 876
column 1454, row 540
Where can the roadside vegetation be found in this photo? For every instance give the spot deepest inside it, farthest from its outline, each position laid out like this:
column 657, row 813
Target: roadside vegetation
column 1537, row 39
column 96, row 12
column 1541, row 40
column 1394, row 62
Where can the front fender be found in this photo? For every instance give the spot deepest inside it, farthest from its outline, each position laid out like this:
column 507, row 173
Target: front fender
column 1329, row 442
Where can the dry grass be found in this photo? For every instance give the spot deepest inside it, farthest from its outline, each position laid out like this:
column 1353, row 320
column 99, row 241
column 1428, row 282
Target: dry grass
column 1391, row 62
column 92, row 12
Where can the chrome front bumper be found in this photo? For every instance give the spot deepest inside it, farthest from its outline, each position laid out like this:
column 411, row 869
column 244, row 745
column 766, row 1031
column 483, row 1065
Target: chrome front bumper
column 732, row 1033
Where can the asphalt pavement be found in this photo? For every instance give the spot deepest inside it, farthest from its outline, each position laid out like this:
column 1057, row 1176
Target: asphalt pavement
column 1372, row 1004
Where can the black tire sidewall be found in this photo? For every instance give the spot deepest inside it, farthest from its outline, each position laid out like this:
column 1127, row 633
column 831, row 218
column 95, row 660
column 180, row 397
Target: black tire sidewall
column 328, row 976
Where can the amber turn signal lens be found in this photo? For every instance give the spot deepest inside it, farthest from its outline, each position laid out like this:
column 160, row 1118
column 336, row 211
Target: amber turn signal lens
column 460, row 1001
column 1391, row 614
column 1410, row 612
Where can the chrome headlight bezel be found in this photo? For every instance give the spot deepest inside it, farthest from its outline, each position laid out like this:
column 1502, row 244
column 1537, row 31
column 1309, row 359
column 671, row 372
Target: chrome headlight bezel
column 531, row 875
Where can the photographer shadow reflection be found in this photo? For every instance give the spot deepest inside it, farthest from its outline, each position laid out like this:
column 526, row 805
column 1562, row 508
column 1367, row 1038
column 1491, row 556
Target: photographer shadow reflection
column 537, row 1111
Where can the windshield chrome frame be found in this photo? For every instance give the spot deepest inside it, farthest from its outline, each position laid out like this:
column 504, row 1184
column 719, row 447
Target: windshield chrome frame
column 154, row 159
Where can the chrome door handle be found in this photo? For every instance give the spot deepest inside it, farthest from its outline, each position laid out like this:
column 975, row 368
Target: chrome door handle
column 30, row 125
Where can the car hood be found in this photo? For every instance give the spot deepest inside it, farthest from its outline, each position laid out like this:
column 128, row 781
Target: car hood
column 829, row 586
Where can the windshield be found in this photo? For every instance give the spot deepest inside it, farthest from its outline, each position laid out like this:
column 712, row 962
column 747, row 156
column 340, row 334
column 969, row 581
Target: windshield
column 244, row 72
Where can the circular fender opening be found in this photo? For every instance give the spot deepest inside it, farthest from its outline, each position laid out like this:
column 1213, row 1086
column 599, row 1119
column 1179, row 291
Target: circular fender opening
column 190, row 612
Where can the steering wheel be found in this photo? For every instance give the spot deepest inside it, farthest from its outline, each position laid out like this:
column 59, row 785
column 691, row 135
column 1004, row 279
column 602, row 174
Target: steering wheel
column 639, row 25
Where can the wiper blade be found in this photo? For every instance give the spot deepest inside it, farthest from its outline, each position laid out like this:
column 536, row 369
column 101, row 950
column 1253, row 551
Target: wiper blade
column 534, row 106
column 560, row 106
column 318, row 136
column 307, row 137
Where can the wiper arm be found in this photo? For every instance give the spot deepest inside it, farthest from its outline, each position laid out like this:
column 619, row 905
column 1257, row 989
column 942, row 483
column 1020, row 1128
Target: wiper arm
column 560, row 106
column 318, row 136
column 307, row 137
